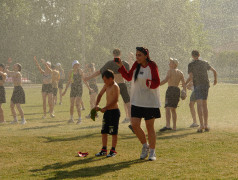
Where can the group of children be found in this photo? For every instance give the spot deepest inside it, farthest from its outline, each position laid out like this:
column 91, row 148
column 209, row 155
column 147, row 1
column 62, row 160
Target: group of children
column 143, row 103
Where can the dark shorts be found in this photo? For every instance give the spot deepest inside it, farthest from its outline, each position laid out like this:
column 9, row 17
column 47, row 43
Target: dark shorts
column 94, row 87
column 146, row 113
column 18, row 95
column 172, row 97
column 201, row 92
column 124, row 92
column 110, row 122
column 76, row 91
column 60, row 84
column 2, row 95
column 47, row 88
column 55, row 90
column 192, row 97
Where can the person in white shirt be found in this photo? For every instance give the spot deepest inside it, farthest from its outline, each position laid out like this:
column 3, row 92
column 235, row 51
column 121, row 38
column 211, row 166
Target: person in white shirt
column 145, row 100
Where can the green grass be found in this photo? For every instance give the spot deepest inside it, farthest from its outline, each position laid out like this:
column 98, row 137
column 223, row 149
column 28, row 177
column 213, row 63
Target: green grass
column 46, row 149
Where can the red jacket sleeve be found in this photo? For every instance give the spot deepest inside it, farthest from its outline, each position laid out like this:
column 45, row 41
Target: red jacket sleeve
column 155, row 81
column 127, row 75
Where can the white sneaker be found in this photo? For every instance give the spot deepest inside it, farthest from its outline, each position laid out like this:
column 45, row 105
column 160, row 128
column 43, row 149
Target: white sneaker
column 79, row 121
column 126, row 120
column 152, row 156
column 71, row 121
column 23, row 121
column 145, row 151
column 194, row 125
column 52, row 115
column 14, row 122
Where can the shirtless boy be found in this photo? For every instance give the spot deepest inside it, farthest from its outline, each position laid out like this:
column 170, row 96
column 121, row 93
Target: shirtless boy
column 111, row 113
column 3, row 77
column 18, row 95
column 173, row 78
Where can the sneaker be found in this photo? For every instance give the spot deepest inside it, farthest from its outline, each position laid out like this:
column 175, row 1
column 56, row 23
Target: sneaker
column 70, row 121
column 52, row 115
column 165, row 129
column 82, row 109
column 126, row 120
column 14, row 122
column 112, row 153
column 130, row 127
column 60, row 103
column 152, row 156
column 79, row 121
column 200, row 130
column 103, row 152
column 145, row 151
column 23, row 121
column 194, row 125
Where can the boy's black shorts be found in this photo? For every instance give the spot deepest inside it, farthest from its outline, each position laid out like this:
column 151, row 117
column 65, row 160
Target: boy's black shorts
column 110, row 122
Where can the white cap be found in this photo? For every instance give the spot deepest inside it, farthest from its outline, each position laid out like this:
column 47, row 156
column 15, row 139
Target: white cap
column 175, row 61
column 58, row 64
column 75, row 62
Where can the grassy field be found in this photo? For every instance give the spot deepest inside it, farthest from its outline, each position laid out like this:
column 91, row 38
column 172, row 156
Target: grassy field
column 47, row 148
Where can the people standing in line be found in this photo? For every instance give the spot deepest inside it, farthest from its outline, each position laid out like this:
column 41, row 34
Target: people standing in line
column 112, row 65
column 145, row 101
column 111, row 112
column 18, row 95
column 198, row 73
column 61, row 81
column 3, row 77
column 192, row 105
column 75, row 78
column 90, row 69
column 173, row 78
column 47, row 89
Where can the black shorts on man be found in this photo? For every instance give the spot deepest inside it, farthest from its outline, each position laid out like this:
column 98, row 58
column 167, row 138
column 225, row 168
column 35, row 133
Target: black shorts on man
column 110, row 122
column 2, row 95
column 47, row 88
column 144, row 112
column 172, row 97
column 18, row 95
column 201, row 92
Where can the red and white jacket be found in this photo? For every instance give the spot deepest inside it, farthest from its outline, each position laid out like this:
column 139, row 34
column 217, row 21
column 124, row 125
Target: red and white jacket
column 145, row 90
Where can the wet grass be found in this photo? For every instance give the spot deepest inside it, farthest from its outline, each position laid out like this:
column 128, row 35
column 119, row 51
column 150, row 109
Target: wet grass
column 47, row 148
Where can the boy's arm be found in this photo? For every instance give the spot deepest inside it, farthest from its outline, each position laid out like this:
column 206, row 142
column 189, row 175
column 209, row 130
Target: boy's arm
column 215, row 75
column 183, row 82
column 100, row 96
column 38, row 66
column 166, row 79
column 115, row 98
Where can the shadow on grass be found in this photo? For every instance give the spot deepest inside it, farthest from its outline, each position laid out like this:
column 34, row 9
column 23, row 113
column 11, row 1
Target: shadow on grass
column 42, row 127
column 96, row 170
column 174, row 135
column 56, row 139
column 69, row 164
column 90, row 127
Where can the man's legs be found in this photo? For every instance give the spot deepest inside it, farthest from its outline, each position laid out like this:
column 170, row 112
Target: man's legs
column 205, row 113
column 200, row 112
column 168, row 116
column 1, row 114
column 193, row 112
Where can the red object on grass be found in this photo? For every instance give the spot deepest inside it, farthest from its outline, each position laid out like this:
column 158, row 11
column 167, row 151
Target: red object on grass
column 82, row 154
